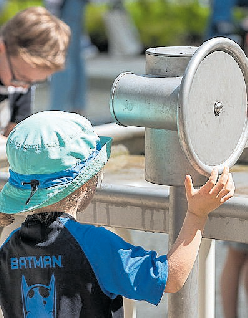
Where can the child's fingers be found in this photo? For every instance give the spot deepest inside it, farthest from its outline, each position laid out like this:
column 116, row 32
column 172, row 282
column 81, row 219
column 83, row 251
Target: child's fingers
column 228, row 191
column 227, row 197
column 222, row 182
column 209, row 185
column 188, row 183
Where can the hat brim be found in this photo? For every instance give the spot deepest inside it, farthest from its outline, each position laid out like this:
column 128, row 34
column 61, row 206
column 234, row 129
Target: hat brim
column 13, row 200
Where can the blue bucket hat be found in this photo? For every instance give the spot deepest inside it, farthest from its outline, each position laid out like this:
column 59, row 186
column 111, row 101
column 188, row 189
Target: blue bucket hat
column 51, row 154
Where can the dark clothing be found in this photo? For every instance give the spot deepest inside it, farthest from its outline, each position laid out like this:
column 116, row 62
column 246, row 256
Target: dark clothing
column 57, row 267
column 20, row 105
column 48, row 275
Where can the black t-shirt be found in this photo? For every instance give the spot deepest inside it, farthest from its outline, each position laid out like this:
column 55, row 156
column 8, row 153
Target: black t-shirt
column 20, row 104
column 44, row 273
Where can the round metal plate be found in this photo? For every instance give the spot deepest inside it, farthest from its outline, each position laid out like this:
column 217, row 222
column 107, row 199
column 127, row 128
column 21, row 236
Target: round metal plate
column 212, row 114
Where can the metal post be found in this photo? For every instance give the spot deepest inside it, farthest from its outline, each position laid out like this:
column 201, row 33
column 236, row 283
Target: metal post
column 183, row 93
column 183, row 304
column 207, row 279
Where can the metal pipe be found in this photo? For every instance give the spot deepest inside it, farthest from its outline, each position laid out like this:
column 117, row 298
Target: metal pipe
column 152, row 101
column 180, row 304
column 158, row 198
column 207, row 279
column 147, row 209
column 172, row 61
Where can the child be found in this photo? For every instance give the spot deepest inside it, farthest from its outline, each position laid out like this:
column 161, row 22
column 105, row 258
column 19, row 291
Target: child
column 55, row 267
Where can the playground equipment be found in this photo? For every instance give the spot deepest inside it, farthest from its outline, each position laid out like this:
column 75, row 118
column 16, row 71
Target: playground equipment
column 193, row 103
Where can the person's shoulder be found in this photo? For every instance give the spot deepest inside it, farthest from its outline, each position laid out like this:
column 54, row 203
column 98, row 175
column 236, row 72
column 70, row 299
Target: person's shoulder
column 73, row 225
column 11, row 236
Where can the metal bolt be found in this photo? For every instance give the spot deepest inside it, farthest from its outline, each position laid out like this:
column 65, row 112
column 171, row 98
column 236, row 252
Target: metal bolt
column 218, row 107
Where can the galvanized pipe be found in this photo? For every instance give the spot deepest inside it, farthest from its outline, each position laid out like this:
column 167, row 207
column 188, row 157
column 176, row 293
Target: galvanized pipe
column 183, row 304
column 152, row 101
column 170, row 162
column 147, row 197
column 147, row 209
column 158, row 198
column 172, row 61
column 152, row 98
column 207, row 279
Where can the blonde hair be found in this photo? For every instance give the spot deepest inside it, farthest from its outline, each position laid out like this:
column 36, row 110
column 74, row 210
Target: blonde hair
column 38, row 37
column 80, row 199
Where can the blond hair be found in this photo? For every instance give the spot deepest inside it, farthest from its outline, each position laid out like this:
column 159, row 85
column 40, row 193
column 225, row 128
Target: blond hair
column 80, row 199
column 38, row 37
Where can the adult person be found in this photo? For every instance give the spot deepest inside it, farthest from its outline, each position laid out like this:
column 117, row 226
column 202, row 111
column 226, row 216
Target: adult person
column 221, row 20
column 68, row 87
column 234, row 273
column 54, row 266
column 33, row 46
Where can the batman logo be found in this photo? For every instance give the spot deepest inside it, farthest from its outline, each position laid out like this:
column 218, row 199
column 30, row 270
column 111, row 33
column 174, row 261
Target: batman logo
column 39, row 300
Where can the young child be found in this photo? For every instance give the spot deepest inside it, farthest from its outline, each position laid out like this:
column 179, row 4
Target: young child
column 53, row 266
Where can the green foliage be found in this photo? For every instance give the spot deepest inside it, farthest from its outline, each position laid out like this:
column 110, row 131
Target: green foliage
column 94, row 24
column 159, row 22
column 163, row 22
column 13, row 6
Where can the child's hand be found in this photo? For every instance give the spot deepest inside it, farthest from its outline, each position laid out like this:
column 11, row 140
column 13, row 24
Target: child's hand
column 211, row 195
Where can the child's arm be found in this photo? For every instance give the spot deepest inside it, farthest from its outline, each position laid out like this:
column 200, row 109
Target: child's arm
column 201, row 202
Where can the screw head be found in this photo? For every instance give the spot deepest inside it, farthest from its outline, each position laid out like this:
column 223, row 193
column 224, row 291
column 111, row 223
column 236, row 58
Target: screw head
column 218, row 107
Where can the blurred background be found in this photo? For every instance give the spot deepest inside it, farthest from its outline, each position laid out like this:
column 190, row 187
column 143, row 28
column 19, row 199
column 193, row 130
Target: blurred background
column 114, row 37
column 158, row 22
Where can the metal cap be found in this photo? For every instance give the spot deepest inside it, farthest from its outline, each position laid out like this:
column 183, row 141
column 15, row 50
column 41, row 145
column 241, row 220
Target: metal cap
column 212, row 111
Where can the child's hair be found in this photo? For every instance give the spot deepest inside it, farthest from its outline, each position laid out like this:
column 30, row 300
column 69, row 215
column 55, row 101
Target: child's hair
column 6, row 219
column 80, row 198
column 38, row 37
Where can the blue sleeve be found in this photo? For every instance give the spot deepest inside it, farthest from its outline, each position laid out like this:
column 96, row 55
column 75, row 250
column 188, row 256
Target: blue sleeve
column 121, row 268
